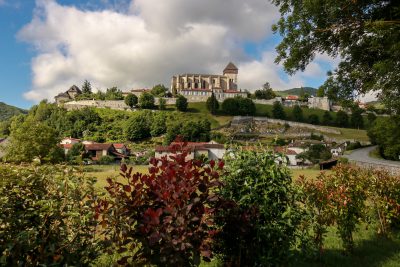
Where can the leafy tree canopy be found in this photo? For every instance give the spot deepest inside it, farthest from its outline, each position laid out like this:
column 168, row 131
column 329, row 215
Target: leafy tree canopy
column 265, row 93
column 159, row 90
column 131, row 100
column 364, row 34
column 146, row 100
column 181, row 103
column 277, row 111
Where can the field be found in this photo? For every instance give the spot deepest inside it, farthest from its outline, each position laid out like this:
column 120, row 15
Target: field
column 102, row 172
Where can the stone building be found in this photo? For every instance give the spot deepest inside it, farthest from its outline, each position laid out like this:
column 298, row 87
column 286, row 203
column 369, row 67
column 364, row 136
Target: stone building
column 69, row 95
column 320, row 102
column 201, row 86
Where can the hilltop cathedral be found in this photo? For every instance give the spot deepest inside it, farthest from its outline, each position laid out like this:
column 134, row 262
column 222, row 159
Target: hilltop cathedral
column 200, row 86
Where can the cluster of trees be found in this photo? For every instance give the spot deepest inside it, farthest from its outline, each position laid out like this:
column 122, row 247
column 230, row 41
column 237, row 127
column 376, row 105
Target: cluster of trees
column 265, row 93
column 342, row 119
column 36, row 135
column 385, row 132
column 237, row 106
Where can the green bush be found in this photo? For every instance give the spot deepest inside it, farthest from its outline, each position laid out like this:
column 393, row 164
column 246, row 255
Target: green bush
column 46, row 217
column 106, row 160
column 260, row 216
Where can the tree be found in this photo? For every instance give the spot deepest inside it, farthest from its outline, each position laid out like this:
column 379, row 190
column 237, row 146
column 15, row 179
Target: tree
column 342, row 119
column 131, row 100
column 162, row 103
column 138, row 126
column 181, row 103
column 365, row 34
column 297, row 113
column 29, row 140
column 327, row 118
column 313, row 119
column 113, row 93
column 76, row 152
column 146, row 101
column 356, row 119
column 316, row 153
column 238, row 106
column 385, row 132
column 265, row 93
column 159, row 90
column 212, row 104
column 277, row 111
column 86, row 88
column 371, row 117
column 158, row 125
column 321, row 91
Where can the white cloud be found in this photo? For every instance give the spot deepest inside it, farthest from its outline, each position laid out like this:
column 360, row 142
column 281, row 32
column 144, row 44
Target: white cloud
column 149, row 43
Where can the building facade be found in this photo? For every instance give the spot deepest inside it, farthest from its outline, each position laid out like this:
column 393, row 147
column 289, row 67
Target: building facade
column 201, row 86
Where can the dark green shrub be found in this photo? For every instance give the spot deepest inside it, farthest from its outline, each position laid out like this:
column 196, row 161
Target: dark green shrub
column 181, row 103
column 106, row 160
column 259, row 217
column 46, row 217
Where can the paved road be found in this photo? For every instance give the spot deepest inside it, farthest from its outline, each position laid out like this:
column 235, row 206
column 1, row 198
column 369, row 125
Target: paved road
column 362, row 155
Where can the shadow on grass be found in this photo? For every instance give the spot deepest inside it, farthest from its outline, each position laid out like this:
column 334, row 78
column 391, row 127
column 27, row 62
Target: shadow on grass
column 374, row 252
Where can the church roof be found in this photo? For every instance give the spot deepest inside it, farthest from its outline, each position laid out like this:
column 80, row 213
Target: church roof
column 230, row 67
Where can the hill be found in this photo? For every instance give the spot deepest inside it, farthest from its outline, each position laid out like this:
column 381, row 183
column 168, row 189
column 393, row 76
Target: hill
column 7, row 111
column 298, row 91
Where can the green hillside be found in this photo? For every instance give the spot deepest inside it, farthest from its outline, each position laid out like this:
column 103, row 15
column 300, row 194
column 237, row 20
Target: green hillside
column 298, row 91
column 7, row 111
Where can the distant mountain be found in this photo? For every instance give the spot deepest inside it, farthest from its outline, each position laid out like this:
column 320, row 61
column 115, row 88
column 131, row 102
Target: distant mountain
column 298, row 91
column 7, row 111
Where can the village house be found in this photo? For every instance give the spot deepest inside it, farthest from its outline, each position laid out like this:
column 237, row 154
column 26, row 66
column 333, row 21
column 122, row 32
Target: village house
column 69, row 95
column 200, row 86
column 97, row 150
column 210, row 150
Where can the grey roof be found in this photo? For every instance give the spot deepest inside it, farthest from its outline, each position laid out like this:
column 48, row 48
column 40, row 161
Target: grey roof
column 74, row 88
column 231, row 66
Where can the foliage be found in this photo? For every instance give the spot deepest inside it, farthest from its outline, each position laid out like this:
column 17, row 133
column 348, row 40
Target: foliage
column 265, row 93
column 212, row 104
column 356, row 119
column 105, row 160
column 342, row 119
column 131, row 100
column 297, row 113
column 138, row 126
column 113, row 93
column 313, row 119
column 385, row 132
column 146, row 100
column 316, row 153
column 385, row 198
column 168, row 222
column 327, row 118
column 338, row 198
column 47, row 217
column 259, row 217
column 181, row 103
column 86, row 88
column 277, row 111
column 159, row 90
column 348, row 31
column 158, row 125
column 238, row 106
column 162, row 103
column 191, row 131
column 76, row 153
column 29, row 140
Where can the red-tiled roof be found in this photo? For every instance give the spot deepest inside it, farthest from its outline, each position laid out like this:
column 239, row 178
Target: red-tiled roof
column 66, row 146
column 140, row 90
column 119, row 146
column 292, row 97
column 98, row 146
column 190, row 146
column 285, row 151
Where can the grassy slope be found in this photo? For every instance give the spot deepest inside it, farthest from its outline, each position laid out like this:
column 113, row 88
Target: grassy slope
column 297, row 91
column 7, row 111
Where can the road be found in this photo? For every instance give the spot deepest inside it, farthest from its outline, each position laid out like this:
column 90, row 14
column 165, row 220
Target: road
column 362, row 155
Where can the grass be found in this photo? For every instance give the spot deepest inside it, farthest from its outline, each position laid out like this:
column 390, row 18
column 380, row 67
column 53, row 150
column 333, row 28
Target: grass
column 308, row 173
column 102, row 172
column 375, row 154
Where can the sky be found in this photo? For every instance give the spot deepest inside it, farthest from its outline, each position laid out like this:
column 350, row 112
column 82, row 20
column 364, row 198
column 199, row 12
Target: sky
column 46, row 46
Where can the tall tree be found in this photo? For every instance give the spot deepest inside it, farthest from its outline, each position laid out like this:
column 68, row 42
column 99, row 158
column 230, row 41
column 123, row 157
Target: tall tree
column 342, row 119
column 297, row 113
column 365, row 34
column 86, row 88
column 131, row 100
column 181, row 103
column 277, row 111
column 146, row 100
column 265, row 93
column 159, row 90
column 212, row 104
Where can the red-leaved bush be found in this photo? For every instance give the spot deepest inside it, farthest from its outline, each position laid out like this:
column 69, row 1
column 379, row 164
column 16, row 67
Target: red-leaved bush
column 164, row 217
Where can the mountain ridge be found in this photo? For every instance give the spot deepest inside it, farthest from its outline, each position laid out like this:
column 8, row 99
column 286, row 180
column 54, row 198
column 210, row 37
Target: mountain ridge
column 8, row 111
